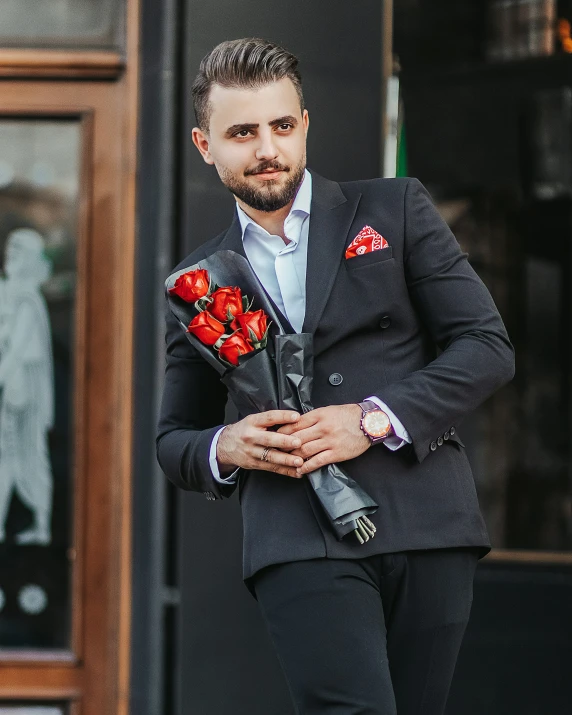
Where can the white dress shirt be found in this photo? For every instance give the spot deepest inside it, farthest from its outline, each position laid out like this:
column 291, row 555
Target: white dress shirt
column 281, row 268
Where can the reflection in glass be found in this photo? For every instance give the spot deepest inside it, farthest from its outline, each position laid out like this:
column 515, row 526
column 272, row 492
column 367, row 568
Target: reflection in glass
column 27, row 382
column 39, row 186
column 61, row 23
column 518, row 442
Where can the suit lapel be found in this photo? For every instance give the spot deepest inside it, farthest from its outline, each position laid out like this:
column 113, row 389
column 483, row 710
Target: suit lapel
column 232, row 241
column 331, row 216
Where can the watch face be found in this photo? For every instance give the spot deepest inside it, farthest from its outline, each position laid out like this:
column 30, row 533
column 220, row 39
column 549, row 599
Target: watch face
column 376, row 423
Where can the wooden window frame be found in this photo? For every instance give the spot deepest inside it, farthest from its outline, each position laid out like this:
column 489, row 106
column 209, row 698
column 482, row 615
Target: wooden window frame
column 93, row 674
column 60, row 64
column 79, row 378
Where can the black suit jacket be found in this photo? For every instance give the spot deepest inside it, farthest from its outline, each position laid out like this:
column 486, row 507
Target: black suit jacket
column 412, row 324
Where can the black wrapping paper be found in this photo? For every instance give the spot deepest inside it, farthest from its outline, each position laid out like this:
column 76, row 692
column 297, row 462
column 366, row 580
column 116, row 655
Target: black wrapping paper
column 276, row 377
column 341, row 497
column 252, row 386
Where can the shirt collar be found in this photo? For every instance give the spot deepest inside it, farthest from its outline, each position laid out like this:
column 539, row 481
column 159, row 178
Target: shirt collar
column 302, row 203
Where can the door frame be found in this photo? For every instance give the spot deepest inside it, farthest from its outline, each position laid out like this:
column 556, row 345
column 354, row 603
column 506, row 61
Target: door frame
column 101, row 90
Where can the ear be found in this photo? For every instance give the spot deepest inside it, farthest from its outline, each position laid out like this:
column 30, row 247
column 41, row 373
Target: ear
column 305, row 121
column 201, row 141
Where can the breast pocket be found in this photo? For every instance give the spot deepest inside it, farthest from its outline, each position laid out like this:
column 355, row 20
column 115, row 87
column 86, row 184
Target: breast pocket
column 369, row 259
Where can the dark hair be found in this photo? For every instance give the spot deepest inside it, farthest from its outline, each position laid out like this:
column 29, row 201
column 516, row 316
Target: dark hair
column 248, row 63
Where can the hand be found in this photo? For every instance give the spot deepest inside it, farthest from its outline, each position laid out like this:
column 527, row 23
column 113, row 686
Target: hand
column 242, row 444
column 328, row 435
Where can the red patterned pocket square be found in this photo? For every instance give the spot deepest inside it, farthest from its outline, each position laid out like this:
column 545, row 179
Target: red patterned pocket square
column 366, row 241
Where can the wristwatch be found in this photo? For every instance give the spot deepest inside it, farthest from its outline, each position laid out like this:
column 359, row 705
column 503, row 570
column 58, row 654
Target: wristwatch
column 375, row 424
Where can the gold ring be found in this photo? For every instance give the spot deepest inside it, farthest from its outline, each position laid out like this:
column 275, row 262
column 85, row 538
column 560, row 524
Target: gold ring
column 264, row 457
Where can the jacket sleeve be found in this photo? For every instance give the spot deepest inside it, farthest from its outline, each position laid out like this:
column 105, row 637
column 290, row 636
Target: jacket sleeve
column 461, row 317
column 192, row 411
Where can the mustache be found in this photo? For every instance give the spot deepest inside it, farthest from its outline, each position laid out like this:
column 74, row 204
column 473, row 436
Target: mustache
column 265, row 166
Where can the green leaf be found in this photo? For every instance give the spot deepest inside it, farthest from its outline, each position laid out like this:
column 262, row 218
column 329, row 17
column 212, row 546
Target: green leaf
column 253, row 335
column 245, row 303
column 220, row 341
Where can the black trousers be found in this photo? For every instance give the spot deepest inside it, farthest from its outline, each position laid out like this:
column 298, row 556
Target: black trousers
column 370, row 636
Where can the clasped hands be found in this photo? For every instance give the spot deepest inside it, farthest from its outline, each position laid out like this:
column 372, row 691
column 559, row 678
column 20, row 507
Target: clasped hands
column 301, row 443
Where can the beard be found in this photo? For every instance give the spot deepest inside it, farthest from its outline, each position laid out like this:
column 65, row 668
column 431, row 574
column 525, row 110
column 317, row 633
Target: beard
column 271, row 196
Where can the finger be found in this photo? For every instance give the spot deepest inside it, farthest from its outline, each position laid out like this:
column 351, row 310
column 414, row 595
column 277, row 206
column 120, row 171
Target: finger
column 310, row 449
column 268, row 466
column 282, row 459
column 286, row 471
column 309, row 435
column 274, row 417
column 278, row 441
column 317, row 461
column 304, row 422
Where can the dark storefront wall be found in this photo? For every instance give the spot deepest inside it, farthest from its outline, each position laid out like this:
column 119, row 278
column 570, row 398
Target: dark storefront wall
column 199, row 645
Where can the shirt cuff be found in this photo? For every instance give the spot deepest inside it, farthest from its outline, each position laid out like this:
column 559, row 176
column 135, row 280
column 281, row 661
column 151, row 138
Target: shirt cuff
column 401, row 436
column 231, row 479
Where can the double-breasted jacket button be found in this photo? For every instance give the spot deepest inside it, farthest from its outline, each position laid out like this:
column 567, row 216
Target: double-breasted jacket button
column 433, row 446
column 335, row 379
column 446, row 436
column 452, row 431
column 439, row 441
column 385, row 322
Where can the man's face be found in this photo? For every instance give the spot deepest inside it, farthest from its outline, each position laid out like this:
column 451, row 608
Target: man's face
column 257, row 142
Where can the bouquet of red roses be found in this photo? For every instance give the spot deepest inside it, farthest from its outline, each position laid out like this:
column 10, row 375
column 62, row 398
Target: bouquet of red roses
column 228, row 317
column 224, row 320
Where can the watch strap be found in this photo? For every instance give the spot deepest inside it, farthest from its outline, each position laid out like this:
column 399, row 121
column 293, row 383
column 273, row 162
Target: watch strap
column 368, row 406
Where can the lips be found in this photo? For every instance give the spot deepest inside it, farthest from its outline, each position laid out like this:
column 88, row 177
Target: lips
column 268, row 170
column 273, row 174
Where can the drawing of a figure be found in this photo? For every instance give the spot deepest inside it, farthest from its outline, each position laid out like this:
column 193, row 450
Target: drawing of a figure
column 26, row 385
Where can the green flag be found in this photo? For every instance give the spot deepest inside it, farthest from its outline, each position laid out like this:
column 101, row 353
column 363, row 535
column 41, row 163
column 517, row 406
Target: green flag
column 401, row 167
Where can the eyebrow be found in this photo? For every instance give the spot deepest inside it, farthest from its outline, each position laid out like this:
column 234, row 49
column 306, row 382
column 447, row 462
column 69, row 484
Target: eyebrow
column 287, row 119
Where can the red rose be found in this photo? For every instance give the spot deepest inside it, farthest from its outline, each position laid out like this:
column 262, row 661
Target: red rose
column 255, row 321
column 234, row 346
column 192, row 285
column 226, row 301
column 206, row 328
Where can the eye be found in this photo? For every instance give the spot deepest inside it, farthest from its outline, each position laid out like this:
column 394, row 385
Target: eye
column 285, row 127
column 242, row 133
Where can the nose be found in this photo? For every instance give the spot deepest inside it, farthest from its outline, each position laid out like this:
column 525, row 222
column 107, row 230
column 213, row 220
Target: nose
column 266, row 150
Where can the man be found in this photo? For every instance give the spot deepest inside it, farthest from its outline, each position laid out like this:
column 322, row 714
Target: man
column 411, row 333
